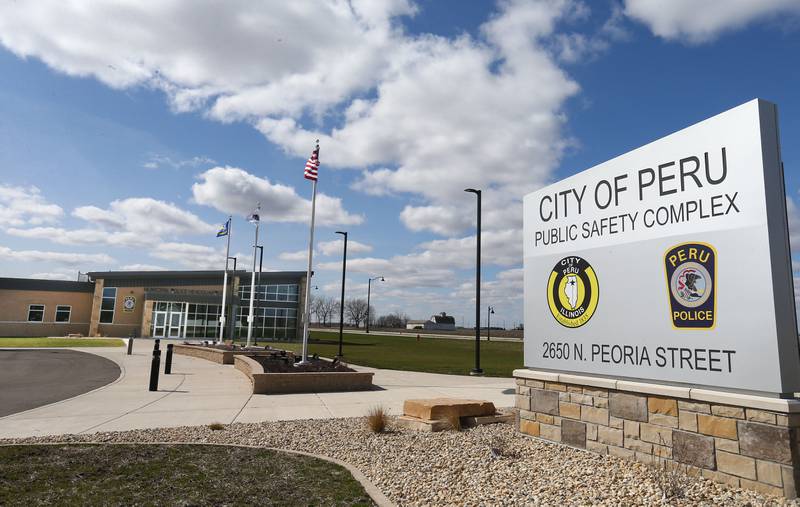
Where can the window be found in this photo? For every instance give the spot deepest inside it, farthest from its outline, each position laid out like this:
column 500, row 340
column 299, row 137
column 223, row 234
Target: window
column 280, row 292
column 63, row 313
column 108, row 304
column 35, row 313
column 271, row 323
column 202, row 320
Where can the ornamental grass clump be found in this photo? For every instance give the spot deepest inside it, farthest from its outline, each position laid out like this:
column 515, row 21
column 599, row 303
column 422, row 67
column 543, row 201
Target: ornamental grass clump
column 377, row 419
column 216, row 426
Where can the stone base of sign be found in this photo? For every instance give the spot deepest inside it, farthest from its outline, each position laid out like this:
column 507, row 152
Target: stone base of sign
column 743, row 440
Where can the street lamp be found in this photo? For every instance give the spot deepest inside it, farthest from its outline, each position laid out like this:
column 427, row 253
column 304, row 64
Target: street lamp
column 369, row 287
column 477, row 370
column 341, row 301
column 489, row 313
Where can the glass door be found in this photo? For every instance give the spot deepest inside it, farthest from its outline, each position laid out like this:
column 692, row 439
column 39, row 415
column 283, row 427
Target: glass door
column 175, row 322
column 159, row 324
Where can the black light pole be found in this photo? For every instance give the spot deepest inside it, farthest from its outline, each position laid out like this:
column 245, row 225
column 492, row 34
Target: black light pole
column 369, row 288
column 341, row 301
column 477, row 370
column 489, row 313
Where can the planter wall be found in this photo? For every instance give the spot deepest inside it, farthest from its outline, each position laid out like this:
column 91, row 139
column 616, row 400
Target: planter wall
column 285, row 383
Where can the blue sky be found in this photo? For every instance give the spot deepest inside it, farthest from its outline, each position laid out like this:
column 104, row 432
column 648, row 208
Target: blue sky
column 128, row 134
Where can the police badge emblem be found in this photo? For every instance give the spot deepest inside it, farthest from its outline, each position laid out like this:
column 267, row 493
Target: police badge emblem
column 572, row 291
column 690, row 270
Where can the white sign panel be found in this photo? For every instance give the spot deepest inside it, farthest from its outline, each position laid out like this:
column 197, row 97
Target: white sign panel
column 669, row 263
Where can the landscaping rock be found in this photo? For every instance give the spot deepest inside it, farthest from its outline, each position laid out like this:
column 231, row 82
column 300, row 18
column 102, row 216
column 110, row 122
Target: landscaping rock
column 486, row 466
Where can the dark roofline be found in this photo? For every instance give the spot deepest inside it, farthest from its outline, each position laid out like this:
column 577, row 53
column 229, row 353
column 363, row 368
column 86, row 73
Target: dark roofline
column 45, row 285
column 150, row 275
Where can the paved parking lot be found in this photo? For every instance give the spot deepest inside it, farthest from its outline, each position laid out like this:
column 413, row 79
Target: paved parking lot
column 30, row 378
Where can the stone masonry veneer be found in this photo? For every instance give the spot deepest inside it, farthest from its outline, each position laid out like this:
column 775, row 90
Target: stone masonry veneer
column 738, row 445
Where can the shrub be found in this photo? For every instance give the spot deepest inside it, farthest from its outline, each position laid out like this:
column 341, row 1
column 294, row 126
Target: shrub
column 377, row 419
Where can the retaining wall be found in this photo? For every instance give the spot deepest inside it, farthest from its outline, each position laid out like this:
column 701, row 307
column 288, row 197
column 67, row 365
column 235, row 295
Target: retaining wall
column 738, row 439
column 207, row 353
column 284, row 383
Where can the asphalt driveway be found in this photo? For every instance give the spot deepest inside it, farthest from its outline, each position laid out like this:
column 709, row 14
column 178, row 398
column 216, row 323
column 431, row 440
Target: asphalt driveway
column 32, row 378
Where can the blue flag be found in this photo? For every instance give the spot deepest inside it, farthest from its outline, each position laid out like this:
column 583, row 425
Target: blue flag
column 224, row 230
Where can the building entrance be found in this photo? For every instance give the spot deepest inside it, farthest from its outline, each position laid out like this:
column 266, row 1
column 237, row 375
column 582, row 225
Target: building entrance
column 169, row 320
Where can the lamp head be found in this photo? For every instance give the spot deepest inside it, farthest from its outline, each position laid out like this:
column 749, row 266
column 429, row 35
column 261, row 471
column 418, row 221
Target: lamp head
column 472, row 190
column 341, row 232
column 383, row 279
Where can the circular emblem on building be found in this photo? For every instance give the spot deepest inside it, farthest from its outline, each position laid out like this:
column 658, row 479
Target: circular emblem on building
column 572, row 291
column 129, row 303
column 691, row 284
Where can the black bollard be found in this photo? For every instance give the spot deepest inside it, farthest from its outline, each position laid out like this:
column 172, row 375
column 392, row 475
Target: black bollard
column 156, row 362
column 157, row 344
column 168, row 360
column 130, row 345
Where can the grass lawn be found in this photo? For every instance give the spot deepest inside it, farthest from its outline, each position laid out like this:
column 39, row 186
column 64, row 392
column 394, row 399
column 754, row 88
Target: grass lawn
column 60, row 342
column 170, row 475
column 435, row 355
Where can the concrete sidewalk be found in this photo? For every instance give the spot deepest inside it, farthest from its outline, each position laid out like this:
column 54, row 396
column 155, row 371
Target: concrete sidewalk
column 201, row 392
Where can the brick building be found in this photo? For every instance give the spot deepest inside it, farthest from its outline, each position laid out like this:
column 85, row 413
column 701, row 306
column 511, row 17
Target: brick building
column 165, row 304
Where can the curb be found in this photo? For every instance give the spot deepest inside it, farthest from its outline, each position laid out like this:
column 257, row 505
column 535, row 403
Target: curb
column 372, row 490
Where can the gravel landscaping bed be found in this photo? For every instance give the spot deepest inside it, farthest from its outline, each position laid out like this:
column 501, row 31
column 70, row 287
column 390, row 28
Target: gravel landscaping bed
column 458, row 468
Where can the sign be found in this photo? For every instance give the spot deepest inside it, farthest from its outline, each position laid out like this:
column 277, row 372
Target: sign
column 669, row 263
column 128, row 304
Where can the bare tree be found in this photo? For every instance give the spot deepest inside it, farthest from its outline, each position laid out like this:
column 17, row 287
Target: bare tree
column 396, row 320
column 314, row 305
column 356, row 310
column 327, row 307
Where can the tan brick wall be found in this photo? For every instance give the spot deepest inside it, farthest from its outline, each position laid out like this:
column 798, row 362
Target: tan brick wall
column 753, row 449
column 14, row 312
column 97, row 299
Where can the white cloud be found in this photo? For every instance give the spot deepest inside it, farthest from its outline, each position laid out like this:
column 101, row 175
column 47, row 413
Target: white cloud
column 141, row 267
column 190, row 256
column 695, row 22
column 64, row 236
column 147, row 216
column 128, row 222
column 53, row 276
column 498, row 99
column 159, row 161
column 444, row 220
column 25, row 206
column 335, row 247
column 236, row 191
column 64, row 258
column 247, row 58
column 326, row 248
column 300, row 255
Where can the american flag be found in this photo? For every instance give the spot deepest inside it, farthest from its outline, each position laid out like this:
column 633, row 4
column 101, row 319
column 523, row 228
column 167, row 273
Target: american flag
column 312, row 165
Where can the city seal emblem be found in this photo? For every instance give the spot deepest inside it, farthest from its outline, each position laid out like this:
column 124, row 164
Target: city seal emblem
column 572, row 291
column 690, row 270
column 129, row 303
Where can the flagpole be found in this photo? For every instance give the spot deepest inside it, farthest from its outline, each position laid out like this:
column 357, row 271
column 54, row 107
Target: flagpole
column 306, row 309
column 253, row 287
column 223, row 314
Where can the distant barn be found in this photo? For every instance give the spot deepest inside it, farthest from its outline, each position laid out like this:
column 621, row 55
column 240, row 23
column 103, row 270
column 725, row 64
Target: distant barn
column 440, row 322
